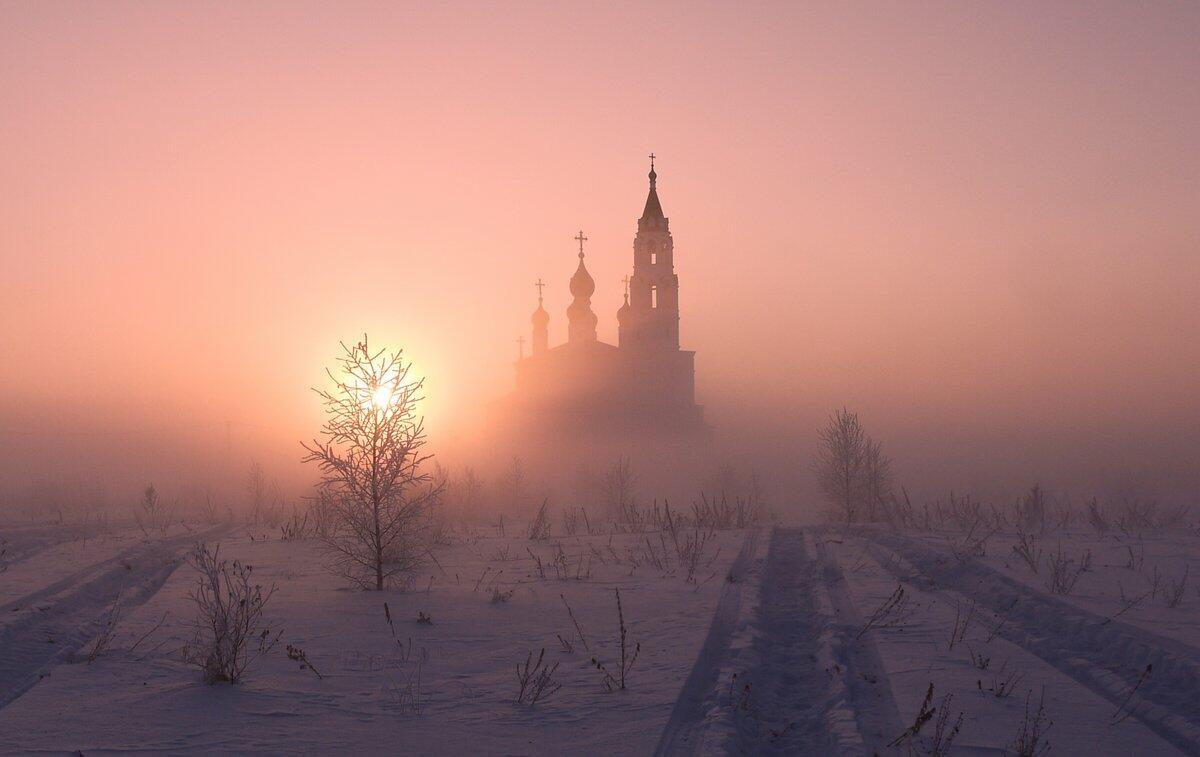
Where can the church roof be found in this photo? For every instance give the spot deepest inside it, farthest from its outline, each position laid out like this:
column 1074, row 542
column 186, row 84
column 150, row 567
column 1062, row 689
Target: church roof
column 653, row 208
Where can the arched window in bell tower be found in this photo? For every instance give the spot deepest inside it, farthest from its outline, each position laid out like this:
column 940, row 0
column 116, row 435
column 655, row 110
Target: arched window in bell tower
column 653, row 255
column 654, row 295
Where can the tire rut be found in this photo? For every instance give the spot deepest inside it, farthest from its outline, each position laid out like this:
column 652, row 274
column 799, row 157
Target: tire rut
column 1104, row 655
column 40, row 638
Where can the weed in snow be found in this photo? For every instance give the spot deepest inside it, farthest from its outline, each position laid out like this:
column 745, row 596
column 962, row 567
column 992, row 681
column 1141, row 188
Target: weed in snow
column 1065, row 571
column 107, row 627
column 296, row 654
column 978, row 660
column 962, row 621
column 1125, row 710
column 1028, row 550
column 1031, row 739
column 500, row 597
column 1174, row 591
column 575, row 622
column 535, row 680
column 893, row 612
column 619, row 680
column 1003, row 683
column 939, row 742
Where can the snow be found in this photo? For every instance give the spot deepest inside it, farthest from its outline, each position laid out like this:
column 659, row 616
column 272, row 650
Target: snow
column 779, row 609
column 152, row 701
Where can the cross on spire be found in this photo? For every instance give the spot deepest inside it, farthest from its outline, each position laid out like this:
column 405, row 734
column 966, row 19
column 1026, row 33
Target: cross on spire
column 625, row 281
column 581, row 239
column 651, row 161
column 539, row 284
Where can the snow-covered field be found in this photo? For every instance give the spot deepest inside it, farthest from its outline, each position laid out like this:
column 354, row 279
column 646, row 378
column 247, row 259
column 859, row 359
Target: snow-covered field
column 446, row 687
column 814, row 640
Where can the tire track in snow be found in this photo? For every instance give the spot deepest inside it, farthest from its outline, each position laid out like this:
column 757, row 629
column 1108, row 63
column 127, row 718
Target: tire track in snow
column 1105, row 656
column 790, row 686
column 866, row 682
column 811, row 689
column 20, row 544
column 61, row 618
column 681, row 734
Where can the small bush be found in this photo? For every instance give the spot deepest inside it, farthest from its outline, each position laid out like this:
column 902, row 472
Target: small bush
column 539, row 529
column 230, row 629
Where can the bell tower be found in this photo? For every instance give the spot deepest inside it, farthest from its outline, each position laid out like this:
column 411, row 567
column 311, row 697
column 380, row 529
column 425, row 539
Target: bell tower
column 651, row 321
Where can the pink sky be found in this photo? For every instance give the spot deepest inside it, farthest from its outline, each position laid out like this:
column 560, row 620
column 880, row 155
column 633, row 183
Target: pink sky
column 974, row 222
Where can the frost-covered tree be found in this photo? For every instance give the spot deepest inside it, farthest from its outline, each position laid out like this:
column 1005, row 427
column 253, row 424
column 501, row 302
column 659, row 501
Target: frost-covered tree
column 853, row 473
column 371, row 460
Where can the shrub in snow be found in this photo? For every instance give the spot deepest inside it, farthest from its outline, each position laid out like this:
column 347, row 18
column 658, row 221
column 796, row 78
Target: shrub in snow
column 539, row 529
column 152, row 514
column 230, row 630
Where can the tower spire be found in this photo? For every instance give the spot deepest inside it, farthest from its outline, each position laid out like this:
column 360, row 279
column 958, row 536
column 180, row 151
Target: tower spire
column 653, row 210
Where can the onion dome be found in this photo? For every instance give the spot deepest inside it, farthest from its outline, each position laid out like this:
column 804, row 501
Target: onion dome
column 624, row 311
column 540, row 317
column 582, row 284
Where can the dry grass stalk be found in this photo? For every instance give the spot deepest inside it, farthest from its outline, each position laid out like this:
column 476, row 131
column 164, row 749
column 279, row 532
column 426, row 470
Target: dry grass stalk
column 618, row 681
column 893, row 612
column 1031, row 739
column 535, row 680
column 107, row 627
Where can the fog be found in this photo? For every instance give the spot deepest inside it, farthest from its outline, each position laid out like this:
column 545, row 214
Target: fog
column 975, row 227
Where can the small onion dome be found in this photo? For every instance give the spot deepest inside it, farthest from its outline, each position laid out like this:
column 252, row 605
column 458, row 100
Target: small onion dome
column 540, row 317
column 624, row 311
column 581, row 283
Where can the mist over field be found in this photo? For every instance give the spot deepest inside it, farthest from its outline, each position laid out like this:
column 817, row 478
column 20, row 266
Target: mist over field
column 938, row 264
column 983, row 242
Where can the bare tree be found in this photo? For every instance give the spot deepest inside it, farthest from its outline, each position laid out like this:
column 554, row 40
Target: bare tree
column 371, row 462
column 256, row 488
column 514, row 484
column 877, row 478
column 616, row 486
column 840, row 461
column 852, row 470
column 470, row 490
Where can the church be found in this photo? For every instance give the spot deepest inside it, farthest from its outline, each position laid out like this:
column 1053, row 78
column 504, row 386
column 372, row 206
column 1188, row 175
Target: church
column 641, row 390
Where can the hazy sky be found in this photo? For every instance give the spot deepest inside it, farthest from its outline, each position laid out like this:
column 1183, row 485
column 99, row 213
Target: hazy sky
column 974, row 222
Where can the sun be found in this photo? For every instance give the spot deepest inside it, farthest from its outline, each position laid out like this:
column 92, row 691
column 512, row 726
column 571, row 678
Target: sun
column 381, row 397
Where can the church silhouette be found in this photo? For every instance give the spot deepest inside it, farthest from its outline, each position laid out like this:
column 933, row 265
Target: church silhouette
column 641, row 389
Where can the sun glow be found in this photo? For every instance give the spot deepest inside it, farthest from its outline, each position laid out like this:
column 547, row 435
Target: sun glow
column 381, row 397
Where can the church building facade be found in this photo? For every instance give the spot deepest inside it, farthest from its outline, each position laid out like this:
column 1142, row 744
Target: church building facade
column 643, row 388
